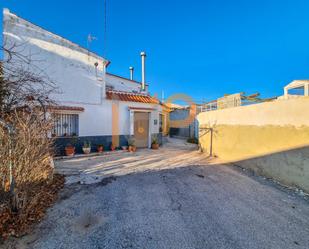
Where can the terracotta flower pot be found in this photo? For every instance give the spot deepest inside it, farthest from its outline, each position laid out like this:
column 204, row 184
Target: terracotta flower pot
column 86, row 150
column 70, row 150
column 132, row 148
column 100, row 148
column 155, row 146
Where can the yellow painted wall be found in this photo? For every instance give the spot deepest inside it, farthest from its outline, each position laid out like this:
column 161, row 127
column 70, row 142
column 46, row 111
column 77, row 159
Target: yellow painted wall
column 166, row 123
column 270, row 138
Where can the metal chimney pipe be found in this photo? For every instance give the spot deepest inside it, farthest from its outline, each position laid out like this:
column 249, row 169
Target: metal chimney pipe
column 131, row 72
column 143, row 55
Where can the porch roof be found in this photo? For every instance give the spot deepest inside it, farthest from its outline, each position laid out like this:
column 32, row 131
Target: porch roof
column 131, row 97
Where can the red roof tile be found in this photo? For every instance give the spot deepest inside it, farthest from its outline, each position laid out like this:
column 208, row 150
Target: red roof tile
column 132, row 97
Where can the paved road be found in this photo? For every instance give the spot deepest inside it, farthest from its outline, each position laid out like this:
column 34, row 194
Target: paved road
column 170, row 203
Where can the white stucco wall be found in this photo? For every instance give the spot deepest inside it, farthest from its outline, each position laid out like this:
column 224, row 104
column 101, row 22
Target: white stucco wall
column 69, row 66
column 124, row 116
column 97, row 119
column 122, row 84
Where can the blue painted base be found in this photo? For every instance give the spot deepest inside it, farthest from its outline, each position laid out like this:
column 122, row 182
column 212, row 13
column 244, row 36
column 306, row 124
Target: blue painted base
column 78, row 142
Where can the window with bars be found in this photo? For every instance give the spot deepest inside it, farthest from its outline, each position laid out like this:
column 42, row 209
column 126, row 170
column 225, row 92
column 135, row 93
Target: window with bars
column 65, row 125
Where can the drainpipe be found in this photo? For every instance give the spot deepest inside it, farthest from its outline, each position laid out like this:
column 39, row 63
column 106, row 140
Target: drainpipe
column 131, row 72
column 143, row 55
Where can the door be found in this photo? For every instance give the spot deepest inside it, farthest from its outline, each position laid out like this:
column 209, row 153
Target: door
column 141, row 129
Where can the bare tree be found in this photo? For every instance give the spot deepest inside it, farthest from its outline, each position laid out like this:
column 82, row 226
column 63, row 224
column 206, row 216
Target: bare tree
column 24, row 98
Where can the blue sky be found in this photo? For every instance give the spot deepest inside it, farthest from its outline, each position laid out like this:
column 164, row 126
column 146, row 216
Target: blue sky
column 202, row 48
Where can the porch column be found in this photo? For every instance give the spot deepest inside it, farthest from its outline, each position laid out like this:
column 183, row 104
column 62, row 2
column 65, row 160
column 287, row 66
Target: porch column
column 286, row 91
column 306, row 89
column 131, row 122
column 115, row 123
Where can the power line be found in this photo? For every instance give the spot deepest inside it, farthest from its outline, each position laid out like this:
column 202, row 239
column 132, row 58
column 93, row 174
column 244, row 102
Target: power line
column 105, row 29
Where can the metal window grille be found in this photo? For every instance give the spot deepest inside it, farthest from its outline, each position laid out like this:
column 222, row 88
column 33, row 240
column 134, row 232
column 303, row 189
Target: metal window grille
column 65, row 125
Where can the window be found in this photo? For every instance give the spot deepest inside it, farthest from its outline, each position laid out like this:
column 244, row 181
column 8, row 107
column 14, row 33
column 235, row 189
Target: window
column 297, row 91
column 65, row 125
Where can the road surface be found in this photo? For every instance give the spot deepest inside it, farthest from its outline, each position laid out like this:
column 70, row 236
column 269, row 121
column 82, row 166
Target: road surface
column 171, row 198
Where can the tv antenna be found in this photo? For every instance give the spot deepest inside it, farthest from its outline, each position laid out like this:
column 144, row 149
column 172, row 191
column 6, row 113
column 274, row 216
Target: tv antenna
column 90, row 39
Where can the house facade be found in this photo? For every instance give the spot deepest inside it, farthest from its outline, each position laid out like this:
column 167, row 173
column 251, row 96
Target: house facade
column 91, row 104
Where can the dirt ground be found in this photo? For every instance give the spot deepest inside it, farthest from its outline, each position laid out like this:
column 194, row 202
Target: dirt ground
column 176, row 153
column 171, row 198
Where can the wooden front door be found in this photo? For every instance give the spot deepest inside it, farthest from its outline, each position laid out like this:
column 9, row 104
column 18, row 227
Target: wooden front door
column 141, row 129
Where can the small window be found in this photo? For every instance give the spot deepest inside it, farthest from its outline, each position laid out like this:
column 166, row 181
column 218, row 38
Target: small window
column 297, row 91
column 65, row 125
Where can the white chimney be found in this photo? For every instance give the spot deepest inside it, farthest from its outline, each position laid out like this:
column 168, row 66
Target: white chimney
column 143, row 55
column 131, row 72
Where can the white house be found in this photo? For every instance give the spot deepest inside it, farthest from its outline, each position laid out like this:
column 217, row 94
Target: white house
column 94, row 105
column 296, row 88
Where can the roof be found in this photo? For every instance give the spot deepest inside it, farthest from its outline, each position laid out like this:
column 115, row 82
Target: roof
column 297, row 83
column 85, row 50
column 131, row 97
column 134, row 81
column 141, row 108
column 174, row 106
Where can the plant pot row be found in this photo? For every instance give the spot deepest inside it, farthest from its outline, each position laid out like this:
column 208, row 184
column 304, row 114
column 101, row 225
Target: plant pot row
column 70, row 150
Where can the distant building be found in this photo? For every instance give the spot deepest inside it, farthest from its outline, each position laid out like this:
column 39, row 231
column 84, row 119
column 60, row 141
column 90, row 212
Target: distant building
column 231, row 100
column 295, row 89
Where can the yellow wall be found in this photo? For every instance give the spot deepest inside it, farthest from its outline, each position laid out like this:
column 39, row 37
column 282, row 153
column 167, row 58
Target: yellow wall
column 166, row 124
column 271, row 138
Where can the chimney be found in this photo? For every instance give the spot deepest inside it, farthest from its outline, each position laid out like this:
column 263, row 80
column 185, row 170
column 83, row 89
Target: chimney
column 131, row 72
column 143, row 55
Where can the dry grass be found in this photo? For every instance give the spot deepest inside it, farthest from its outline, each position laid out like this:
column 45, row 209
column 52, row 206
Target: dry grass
column 30, row 149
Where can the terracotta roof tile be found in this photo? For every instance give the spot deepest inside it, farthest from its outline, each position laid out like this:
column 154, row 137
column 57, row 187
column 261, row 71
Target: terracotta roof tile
column 131, row 97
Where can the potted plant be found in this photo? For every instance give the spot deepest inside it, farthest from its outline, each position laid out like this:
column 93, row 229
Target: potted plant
column 154, row 142
column 113, row 147
column 87, row 147
column 70, row 148
column 100, row 147
column 131, row 145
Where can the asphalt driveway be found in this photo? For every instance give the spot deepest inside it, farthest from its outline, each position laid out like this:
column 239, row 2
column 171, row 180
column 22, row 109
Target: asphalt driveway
column 171, row 198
